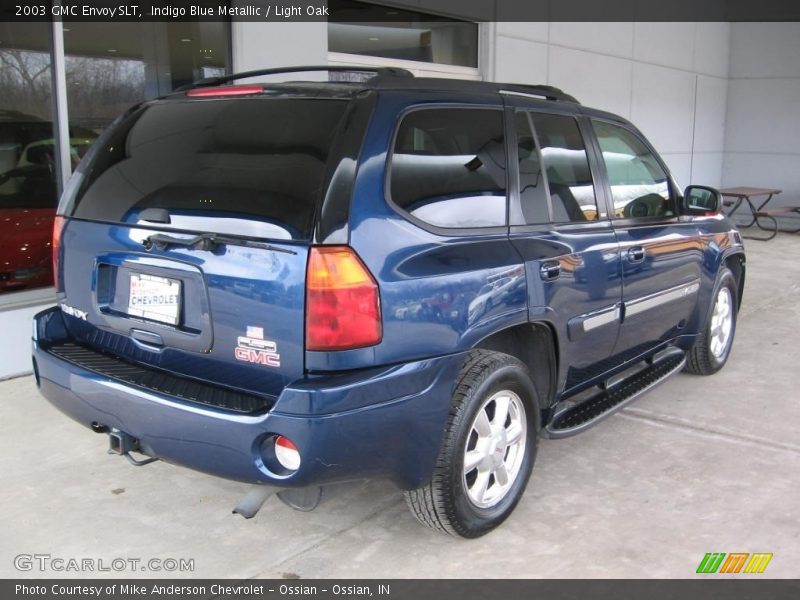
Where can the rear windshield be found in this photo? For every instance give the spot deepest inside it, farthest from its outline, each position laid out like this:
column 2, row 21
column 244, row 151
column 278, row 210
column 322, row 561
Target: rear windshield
column 254, row 167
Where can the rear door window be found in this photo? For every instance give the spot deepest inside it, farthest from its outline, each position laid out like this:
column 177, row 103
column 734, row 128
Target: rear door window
column 250, row 167
column 533, row 196
column 566, row 168
column 448, row 167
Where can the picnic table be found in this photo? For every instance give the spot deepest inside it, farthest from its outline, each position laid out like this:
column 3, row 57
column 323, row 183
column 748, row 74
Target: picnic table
column 759, row 214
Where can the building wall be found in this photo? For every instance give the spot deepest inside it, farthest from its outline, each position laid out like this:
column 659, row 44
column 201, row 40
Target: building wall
column 761, row 142
column 670, row 79
column 264, row 45
column 16, row 326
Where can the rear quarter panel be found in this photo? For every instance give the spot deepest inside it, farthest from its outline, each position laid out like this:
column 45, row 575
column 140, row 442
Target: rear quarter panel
column 427, row 279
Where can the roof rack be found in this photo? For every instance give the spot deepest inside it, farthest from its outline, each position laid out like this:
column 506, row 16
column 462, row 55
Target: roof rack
column 391, row 76
column 546, row 91
column 379, row 71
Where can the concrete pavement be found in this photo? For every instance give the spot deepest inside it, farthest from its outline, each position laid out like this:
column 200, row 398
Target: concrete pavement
column 700, row 464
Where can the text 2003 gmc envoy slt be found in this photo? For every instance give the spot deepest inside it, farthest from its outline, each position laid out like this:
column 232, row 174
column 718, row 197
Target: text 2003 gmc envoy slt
column 297, row 284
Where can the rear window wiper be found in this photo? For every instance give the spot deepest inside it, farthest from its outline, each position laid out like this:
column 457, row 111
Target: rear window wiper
column 206, row 241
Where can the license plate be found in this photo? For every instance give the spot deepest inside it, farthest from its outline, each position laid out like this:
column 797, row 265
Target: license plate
column 156, row 298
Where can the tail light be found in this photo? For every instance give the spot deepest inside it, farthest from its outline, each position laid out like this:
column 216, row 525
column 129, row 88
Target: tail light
column 342, row 302
column 58, row 227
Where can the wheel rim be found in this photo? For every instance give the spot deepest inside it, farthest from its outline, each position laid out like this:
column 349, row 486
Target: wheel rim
column 495, row 449
column 721, row 323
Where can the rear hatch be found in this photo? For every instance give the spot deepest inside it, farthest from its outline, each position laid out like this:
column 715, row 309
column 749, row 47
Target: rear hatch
column 187, row 234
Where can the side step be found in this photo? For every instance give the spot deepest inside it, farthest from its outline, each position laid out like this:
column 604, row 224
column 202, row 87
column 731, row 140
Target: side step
column 579, row 417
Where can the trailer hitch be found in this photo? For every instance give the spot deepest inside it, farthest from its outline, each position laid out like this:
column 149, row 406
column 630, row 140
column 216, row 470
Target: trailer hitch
column 123, row 444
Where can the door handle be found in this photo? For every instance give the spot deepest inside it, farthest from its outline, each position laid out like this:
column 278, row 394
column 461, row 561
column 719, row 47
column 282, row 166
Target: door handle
column 550, row 270
column 636, row 254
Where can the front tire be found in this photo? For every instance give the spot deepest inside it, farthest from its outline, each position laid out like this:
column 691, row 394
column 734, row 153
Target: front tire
column 713, row 346
column 487, row 452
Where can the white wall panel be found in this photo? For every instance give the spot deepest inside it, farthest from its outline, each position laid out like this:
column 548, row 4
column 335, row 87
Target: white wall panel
column 596, row 80
column 615, row 39
column 520, row 61
column 15, row 352
column 680, row 165
column 668, row 44
column 710, row 112
column 706, row 169
column 663, row 106
column 765, row 50
column 263, row 45
column 537, row 32
column 712, row 48
column 778, row 171
column 765, row 115
column 763, row 118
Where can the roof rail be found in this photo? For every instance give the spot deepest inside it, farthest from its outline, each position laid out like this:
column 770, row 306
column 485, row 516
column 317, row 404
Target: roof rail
column 547, row 91
column 379, row 71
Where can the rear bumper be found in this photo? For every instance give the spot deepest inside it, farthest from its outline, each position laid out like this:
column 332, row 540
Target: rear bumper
column 381, row 423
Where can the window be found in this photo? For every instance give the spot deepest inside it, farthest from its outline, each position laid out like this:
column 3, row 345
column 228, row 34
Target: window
column 388, row 32
column 109, row 67
column 566, row 168
column 532, row 192
column 448, row 167
column 639, row 186
column 28, row 191
column 251, row 167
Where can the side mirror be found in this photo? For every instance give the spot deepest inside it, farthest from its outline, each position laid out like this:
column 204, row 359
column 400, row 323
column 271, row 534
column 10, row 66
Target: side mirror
column 701, row 200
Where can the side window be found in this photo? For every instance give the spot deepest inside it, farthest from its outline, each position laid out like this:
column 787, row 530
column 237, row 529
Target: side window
column 639, row 186
column 448, row 167
column 532, row 192
column 566, row 168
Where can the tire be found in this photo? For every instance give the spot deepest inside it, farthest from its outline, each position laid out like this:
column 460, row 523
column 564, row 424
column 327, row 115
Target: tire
column 471, row 502
column 713, row 346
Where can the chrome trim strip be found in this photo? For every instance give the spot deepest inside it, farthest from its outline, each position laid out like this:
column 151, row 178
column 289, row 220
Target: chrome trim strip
column 604, row 317
column 640, row 305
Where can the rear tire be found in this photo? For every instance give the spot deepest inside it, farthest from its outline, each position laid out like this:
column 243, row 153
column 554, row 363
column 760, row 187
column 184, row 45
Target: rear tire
column 487, row 452
column 713, row 346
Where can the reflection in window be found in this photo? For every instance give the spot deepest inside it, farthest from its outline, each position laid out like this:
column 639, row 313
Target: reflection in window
column 532, row 193
column 449, row 167
column 372, row 30
column 110, row 67
column 567, row 168
column 28, row 193
column 639, row 186
column 249, row 166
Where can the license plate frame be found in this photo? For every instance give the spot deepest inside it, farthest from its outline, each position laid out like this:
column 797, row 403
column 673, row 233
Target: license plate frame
column 154, row 297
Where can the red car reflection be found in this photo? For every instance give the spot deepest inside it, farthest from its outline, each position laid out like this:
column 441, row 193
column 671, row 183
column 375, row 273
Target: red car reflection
column 28, row 197
column 25, row 238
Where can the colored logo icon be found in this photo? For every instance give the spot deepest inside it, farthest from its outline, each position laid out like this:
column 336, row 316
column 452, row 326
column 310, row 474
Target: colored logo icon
column 736, row 562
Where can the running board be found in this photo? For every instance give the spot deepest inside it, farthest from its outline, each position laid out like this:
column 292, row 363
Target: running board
column 580, row 417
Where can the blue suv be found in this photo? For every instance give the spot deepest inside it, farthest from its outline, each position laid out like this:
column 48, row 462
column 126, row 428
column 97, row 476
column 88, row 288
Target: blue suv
column 378, row 276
